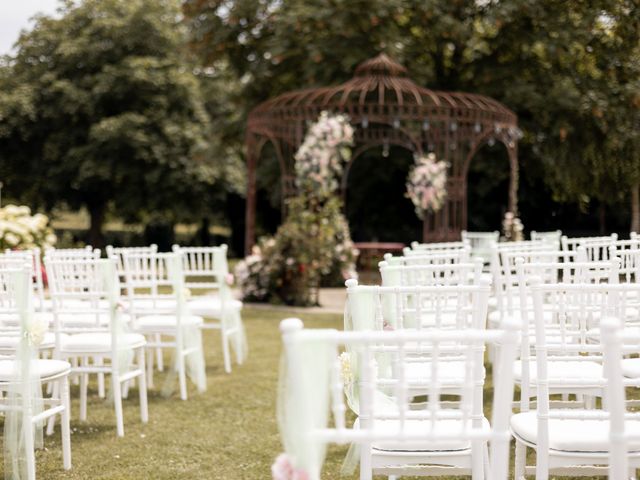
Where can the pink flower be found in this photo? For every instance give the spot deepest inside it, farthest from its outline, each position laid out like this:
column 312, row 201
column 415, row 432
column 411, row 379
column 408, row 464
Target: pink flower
column 283, row 469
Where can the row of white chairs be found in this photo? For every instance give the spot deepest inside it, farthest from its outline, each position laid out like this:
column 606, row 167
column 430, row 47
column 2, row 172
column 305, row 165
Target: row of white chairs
column 103, row 329
column 564, row 334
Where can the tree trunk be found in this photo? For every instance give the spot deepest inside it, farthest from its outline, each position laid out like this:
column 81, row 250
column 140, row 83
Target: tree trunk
column 97, row 212
column 205, row 237
column 635, row 208
column 602, row 218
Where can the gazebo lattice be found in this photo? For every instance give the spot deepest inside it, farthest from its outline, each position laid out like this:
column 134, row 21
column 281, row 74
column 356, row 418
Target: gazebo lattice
column 388, row 108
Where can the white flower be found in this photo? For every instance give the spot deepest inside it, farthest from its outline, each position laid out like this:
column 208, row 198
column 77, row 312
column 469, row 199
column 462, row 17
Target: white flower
column 35, row 331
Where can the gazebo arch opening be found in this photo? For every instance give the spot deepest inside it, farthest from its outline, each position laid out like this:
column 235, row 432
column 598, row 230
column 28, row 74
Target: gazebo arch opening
column 376, row 206
column 386, row 107
column 487, row 180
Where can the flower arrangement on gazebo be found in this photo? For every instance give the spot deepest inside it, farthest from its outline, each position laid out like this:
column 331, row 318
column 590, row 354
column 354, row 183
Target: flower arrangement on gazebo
column 427, row 185
column 314, row 240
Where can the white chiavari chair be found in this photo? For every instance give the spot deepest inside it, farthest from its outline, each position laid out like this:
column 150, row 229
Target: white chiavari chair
column 87, row 253
column 207, row 272
column 21, row 376
column 394, row 438
column 156, row 294
column 579, row 442
column 565, row 361
column 481, row 243
column 118, row 254
column 502, row 268
column 90, row 328
column 427, row 275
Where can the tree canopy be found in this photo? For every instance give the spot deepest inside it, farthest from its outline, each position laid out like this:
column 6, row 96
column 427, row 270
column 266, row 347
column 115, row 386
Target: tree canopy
column 99, row 109
column 568, row 69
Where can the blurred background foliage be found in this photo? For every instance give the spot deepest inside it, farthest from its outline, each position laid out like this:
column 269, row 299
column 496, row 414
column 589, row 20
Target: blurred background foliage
column 135, row 110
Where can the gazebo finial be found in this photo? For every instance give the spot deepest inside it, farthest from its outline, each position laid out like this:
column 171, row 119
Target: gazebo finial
column 381, row 64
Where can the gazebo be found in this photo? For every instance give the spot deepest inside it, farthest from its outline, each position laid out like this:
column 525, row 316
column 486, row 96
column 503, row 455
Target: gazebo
column 387, row 108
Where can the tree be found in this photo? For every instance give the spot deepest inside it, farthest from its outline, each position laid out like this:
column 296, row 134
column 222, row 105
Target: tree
column 98, row 108
column 568, row 69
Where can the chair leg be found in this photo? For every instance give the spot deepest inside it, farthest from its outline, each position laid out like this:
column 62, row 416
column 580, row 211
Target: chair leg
column 74, row 364
column 366, row 467
column 84, row 384
column 477, row 461
column 520, row 461
column 29, row 443
column 159, row 357
column 99, row 362
column 54, row 387
column 225, row 350
column 150, row 368
column 117, row 402
column 182, row 374
column 63, row 385
column 142, row 387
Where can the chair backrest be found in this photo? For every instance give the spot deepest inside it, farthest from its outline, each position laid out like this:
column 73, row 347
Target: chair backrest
column 599, row 249
column 205, row 268
column 502, row 264
column 571, row 243
column 460, row 255
column 552, row 237
column 87, row 253
column 416, row 307
column 118, row 254
column 314, row 377
column 11, row 270
column 629, row 263
column 427, row 275
column 155, row 283
column 434, row 247
column 481, row 243
column 32, row 256
column 85, row 289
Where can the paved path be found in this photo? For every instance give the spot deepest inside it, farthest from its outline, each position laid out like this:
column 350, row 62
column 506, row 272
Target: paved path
column 332, row 300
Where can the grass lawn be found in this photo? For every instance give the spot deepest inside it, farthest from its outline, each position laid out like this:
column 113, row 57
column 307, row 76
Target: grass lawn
column 227, row 433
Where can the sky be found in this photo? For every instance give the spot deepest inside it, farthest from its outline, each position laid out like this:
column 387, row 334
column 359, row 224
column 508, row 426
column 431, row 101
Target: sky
column 15, row 15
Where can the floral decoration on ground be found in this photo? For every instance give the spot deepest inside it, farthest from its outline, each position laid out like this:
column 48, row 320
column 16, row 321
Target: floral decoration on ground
column 314, row 242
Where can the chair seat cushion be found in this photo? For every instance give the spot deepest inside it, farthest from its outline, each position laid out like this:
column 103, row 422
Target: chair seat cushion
column 560, row 372
column 631, row 367
column 572, row 435
column 9, row 342
column 43, row 368
column 211, row 306
column 413, row 427
column 99, row 342
column 165, row 322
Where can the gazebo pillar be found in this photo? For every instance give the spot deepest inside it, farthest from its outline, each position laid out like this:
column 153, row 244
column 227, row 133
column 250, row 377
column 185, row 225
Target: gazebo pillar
column 250, row 212
column 514, row 178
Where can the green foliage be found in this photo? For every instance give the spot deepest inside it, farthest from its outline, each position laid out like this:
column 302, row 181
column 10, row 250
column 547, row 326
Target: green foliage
column 570, row 70
column 98, row 108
